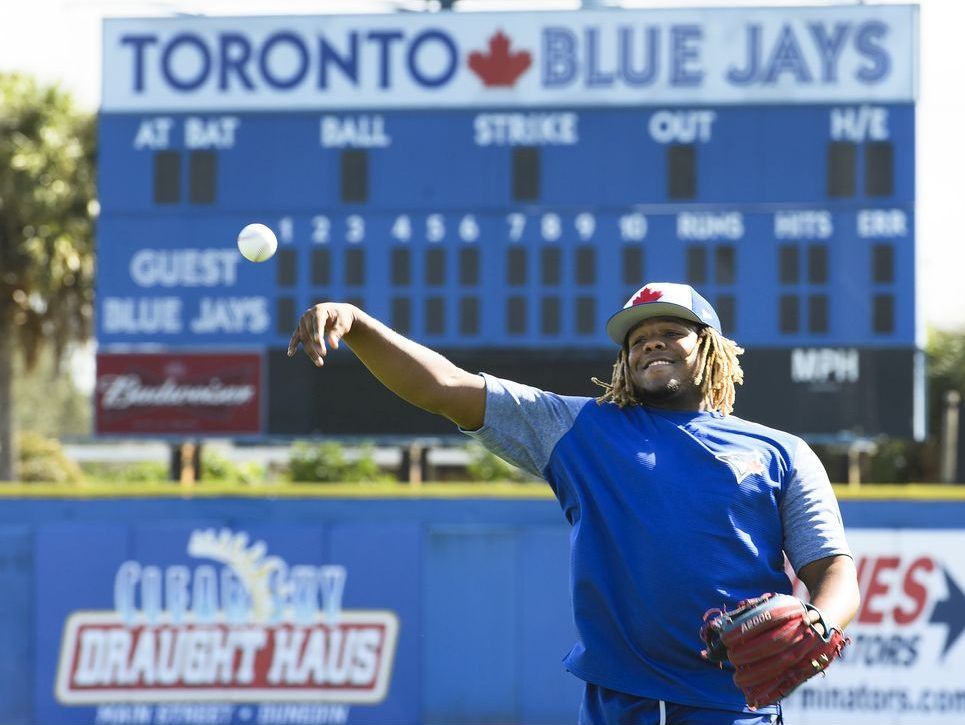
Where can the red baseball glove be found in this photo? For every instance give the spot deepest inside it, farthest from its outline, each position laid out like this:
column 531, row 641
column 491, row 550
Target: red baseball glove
column 772, row 644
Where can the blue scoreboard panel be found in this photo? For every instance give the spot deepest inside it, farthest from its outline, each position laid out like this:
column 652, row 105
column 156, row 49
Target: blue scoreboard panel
column 770, row 164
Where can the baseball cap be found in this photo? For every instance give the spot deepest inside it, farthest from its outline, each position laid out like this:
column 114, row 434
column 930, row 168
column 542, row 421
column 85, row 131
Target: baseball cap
column 661, row 299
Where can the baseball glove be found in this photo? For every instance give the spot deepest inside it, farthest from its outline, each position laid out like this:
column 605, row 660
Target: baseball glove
column 771, row 643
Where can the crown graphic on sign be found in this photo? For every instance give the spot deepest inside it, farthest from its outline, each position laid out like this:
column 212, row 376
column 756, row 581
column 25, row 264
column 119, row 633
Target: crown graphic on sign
column 249, row 564
column 499, row 67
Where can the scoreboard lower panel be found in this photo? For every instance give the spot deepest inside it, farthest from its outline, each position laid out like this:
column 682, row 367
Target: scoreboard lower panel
column 852, row 392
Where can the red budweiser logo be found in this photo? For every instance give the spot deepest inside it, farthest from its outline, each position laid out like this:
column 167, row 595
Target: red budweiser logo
column 178, row 393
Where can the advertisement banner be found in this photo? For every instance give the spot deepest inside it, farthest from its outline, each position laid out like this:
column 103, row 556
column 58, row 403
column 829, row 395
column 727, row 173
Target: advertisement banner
column 217, row 625
column 191, row 620
column 179, row 394
column 906, row 659
column 856, row 53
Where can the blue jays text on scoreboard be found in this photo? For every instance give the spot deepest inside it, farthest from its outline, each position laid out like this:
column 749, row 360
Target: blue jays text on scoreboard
column 497, row 185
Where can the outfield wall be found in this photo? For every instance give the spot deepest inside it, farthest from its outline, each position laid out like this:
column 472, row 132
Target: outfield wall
column 396, row 606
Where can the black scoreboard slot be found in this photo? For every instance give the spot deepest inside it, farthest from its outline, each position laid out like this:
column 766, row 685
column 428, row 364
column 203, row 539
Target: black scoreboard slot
column 516, row 266
column 526, row 173
column 818, row 264
column 402, row 315
column 516, row 315
column 883, row 264
column 202, row 177
column 726, row 308
column 632, row 266
column 585, row 265
column 818, row 314
column 321, row 267
column 842, row 157
column 790, row 316
column 401, row 267
column 788, row 268
column 469, row 316
column 696, row 265
column 285, row 315
column 586, row 315
column 468, row 267
column 354, row 267
column 725, row 271
column 286, row 268
column 355, row 176
column 435, row 319
column 551, row 265
column 883, row 314
column 681, row 171
column 167, row 177
column 435, row 267
column 550, row 315
column 879, row 168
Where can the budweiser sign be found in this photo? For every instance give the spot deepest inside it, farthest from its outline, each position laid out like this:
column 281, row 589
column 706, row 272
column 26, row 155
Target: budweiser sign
column 124, row 391
column 241, row 626
column 178, row 393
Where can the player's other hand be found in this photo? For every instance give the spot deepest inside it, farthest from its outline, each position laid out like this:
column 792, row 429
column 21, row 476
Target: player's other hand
column 322, row 326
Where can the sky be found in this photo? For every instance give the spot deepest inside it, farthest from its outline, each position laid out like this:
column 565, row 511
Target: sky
column 59, row 41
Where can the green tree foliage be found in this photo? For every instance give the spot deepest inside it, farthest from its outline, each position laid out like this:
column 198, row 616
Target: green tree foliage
column 906, row 461
column 946, row 371
column 327, row 463
column 47, row 402
column 42, row 460
column 46, row 238
column 121, row 473
column 216, row 467
column 486, row 466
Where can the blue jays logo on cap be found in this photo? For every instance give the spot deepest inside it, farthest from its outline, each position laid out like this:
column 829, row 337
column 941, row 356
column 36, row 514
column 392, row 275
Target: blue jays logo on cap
column 661, row 299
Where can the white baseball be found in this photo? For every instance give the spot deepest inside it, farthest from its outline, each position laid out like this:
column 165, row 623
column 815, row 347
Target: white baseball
column 256, row 242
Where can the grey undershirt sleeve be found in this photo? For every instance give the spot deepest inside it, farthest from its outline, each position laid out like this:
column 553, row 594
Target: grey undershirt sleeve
column 813, row 528
column 523, row 424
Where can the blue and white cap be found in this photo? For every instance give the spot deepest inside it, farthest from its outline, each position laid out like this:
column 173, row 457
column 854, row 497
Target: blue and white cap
column 661, row 299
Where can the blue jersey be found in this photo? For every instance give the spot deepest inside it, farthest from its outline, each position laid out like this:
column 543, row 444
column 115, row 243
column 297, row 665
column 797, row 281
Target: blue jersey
column 672, row 513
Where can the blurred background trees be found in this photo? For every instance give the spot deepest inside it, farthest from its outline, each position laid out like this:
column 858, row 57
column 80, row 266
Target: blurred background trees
column 47, row 204
column 946, row 370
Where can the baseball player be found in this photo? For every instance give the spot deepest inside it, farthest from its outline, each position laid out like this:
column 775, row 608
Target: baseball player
column 677, row 507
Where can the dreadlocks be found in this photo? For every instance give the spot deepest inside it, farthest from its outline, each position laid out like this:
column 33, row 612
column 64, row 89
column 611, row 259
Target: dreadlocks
column 718, row 371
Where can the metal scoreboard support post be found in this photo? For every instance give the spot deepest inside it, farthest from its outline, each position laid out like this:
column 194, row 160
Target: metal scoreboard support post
column 495, row 185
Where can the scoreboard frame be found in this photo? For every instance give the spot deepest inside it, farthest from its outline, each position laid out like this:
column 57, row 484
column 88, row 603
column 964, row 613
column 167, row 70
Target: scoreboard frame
column 495, row 187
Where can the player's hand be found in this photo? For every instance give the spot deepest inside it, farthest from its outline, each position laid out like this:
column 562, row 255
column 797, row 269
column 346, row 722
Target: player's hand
column 327, row 322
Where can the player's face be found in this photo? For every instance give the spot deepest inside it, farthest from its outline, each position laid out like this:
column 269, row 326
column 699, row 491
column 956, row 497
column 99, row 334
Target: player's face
column 662, row 356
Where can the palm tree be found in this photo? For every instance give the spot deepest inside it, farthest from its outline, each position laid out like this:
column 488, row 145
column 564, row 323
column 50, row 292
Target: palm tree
column 46, row 232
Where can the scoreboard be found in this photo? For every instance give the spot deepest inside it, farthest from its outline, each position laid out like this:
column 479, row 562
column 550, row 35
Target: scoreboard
column 496, row 186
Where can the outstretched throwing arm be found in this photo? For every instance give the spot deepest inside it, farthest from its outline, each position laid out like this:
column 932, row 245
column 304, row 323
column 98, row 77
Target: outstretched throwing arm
column 415, row 373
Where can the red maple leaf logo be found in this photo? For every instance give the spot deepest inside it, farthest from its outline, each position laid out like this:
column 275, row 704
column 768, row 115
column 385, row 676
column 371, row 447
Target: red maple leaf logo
column 646, row 295
column 499, row 67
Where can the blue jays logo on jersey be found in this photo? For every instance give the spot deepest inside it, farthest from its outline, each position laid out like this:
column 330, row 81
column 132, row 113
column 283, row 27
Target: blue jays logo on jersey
column 742, row 463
